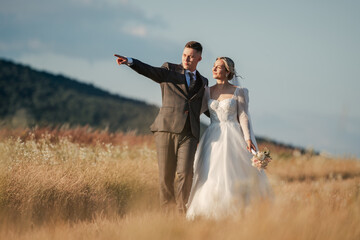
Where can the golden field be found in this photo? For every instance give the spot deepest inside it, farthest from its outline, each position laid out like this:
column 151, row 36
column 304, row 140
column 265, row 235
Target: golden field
column 86, row 184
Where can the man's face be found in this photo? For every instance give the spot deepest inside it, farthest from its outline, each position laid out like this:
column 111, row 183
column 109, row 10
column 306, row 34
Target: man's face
column 190, row 59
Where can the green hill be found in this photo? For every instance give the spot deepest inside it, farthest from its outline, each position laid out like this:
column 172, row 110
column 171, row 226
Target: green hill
column 29, row 97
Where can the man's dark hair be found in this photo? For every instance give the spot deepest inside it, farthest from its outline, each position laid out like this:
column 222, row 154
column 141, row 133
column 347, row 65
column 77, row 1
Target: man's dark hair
column 194, row 45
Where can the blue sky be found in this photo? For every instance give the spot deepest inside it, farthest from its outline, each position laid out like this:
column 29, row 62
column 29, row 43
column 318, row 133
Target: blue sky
column 300, row 59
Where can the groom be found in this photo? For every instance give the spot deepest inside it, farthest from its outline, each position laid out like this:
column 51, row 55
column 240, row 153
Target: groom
column 177, row 126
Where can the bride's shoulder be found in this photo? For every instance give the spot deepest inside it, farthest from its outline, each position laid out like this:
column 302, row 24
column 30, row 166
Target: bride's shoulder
column 245, row 90
column 242, row 94
column 241, row 90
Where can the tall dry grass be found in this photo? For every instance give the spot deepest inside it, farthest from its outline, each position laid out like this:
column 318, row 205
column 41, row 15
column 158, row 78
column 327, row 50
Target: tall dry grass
column 85, row 184
column 50, row 176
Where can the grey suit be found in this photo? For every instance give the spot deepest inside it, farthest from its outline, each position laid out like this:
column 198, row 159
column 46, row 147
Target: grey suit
column 176, row 128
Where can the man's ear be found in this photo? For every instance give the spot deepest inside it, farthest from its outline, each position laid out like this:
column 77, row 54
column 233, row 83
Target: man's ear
column 200, row 58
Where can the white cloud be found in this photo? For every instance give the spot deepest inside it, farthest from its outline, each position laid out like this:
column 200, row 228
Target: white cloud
column 97, row 25
column 138, row 31
column 35, row 44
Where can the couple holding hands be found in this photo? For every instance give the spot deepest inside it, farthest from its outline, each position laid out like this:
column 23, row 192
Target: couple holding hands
column 211, row 177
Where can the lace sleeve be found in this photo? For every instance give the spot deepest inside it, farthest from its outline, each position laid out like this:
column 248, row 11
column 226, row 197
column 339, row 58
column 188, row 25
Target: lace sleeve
column 204, row 106
column 242, row 112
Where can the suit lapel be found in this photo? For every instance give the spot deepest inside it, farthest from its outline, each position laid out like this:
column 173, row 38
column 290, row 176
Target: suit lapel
column 179, row 87
column 203, row 83
column 183, row 87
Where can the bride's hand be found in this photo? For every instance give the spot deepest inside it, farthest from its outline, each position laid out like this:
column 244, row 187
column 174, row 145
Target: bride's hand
column 250, row 145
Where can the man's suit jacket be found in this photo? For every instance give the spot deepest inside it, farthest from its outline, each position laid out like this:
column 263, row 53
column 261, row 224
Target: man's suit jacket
column 177, row 102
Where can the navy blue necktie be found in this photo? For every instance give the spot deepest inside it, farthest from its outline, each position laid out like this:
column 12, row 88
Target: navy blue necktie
column 192, row 81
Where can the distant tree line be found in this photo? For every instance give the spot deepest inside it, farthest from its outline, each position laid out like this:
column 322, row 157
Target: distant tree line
column 29, row 97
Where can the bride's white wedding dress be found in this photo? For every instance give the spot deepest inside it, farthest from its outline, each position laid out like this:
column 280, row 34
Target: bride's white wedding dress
column 224, row 180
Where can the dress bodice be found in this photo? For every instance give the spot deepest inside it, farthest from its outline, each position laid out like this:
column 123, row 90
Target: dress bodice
column 223, row 111
column 232, row 110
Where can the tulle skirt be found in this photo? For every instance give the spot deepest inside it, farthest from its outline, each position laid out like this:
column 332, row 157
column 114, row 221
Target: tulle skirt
column 224, row 180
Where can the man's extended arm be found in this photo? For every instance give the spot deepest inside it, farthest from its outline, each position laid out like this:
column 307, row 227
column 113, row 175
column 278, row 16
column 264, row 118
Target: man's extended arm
column 155, row 73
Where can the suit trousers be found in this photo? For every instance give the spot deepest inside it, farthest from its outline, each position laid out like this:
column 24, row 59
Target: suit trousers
column 176, row 153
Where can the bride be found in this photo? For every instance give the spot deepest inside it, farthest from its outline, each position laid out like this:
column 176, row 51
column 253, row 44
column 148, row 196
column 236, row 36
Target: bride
column 224, row 180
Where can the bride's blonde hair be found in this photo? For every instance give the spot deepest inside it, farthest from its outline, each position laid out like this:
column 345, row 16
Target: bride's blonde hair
column 229, row 66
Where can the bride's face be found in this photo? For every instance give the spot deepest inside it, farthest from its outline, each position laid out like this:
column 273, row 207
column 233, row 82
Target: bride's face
column 219, row 70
